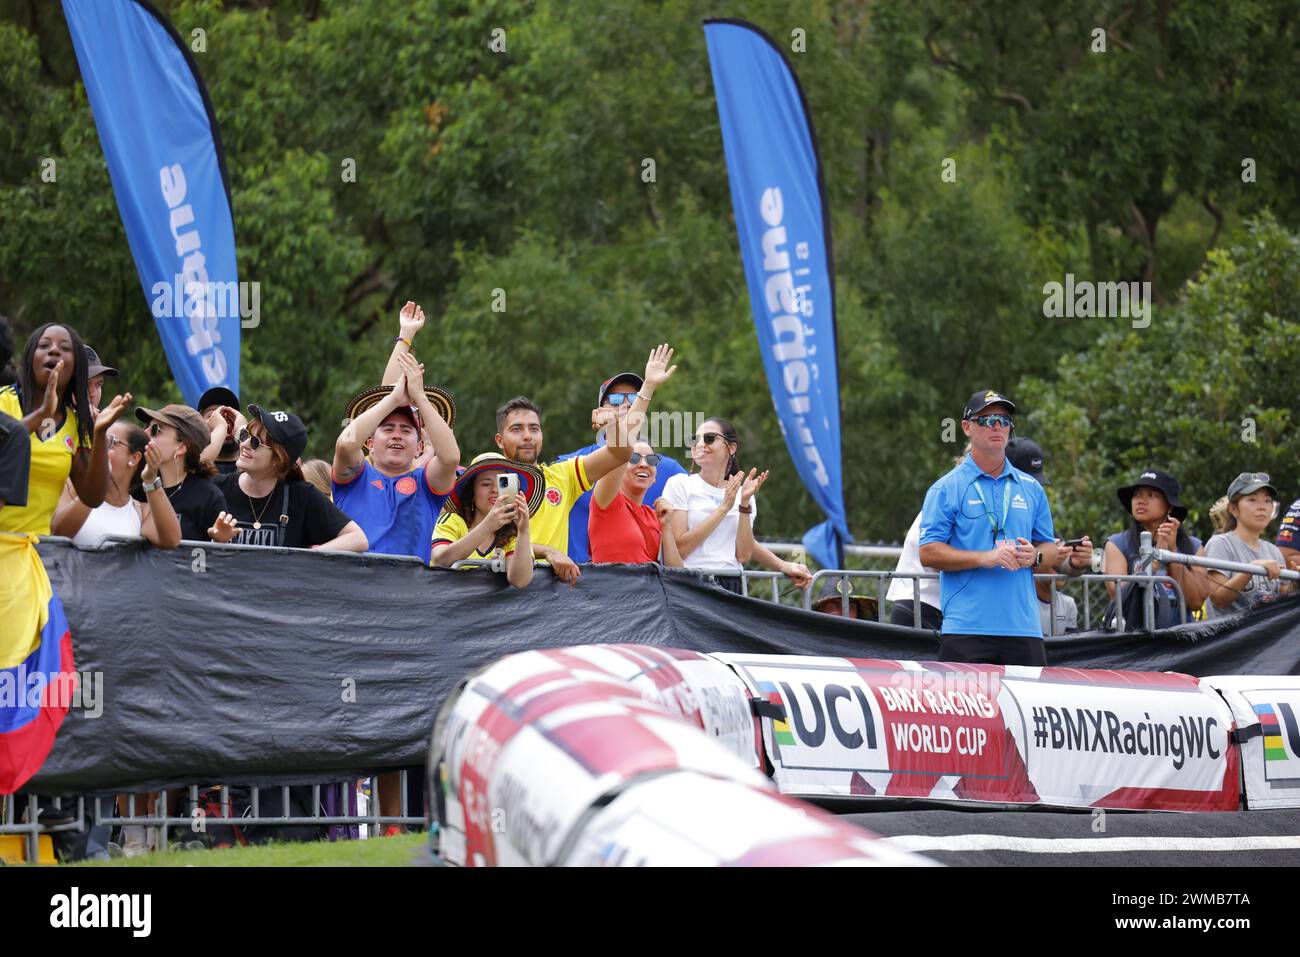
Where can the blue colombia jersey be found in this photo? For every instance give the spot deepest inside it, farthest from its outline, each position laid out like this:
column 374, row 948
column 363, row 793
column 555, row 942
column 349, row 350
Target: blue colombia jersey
column 397, row 513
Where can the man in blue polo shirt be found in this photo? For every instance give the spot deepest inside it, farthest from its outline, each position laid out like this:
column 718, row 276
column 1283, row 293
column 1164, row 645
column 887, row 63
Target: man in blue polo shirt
column 986, row 527
column 395, row 503
column 618, row 393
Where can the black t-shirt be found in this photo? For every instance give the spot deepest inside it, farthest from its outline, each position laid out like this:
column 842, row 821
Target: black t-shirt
column 196, row 501
column 313, row 519
column 15, row 461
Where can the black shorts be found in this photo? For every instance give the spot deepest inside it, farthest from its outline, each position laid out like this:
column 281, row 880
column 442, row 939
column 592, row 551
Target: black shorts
column 901, row 614
column 992, row 649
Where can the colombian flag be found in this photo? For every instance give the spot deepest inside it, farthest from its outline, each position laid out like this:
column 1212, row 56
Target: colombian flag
column 36, row 670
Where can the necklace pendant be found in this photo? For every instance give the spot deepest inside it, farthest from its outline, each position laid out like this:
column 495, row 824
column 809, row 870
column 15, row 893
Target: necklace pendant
column 257, row 525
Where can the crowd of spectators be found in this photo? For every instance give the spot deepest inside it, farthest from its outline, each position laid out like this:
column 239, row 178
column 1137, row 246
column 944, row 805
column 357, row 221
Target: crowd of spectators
column 75, row 466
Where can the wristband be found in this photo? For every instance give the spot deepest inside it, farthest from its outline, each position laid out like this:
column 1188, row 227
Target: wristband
column 409, row 344
column 744, row 509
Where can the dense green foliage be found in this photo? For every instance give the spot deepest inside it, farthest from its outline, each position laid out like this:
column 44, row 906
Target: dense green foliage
column 522, row 171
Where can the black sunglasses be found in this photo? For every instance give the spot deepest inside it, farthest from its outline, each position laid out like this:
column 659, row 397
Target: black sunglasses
column 246, row 436
column 708, row 438
column 652, row 459
column 155, row 430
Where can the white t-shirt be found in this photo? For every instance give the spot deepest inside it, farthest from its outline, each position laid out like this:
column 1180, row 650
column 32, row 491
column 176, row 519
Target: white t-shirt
column 1067, row 614
column 909, row 562
column 698, row 499
column 106, row 520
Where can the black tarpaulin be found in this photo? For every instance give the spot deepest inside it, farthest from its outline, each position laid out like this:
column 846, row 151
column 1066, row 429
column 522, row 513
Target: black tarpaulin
column 265, row 666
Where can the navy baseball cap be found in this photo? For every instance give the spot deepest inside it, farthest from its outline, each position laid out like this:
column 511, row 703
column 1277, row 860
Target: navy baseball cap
column 981, row 400
column 1028, row 457
column 631, row 378
column 218, row 395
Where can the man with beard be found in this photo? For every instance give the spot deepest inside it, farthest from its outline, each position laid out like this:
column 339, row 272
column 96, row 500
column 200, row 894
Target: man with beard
column 396, row 503
column 220, row 410
column 519, row 436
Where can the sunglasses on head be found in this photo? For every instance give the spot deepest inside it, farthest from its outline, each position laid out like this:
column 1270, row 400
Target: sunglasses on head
column 1253, row 477
column 652, row 459
column 619, row 398
column 246, row 436
column 707, row 438
column 988, row 421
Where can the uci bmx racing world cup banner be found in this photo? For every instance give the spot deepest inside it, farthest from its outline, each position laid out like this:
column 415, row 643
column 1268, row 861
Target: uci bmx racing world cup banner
column 984, row 733
column 164, row 158
column 779, row 202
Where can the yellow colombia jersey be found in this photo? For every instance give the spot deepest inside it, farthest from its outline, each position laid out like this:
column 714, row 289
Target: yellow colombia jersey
column 51, row 466
column 452, row 528
column 565, row 483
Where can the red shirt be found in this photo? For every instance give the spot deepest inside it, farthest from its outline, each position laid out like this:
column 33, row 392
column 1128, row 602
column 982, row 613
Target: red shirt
column 624, row 532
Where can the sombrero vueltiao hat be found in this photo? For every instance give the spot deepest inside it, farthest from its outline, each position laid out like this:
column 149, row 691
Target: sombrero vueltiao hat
column 532, row 483
column 440, row 399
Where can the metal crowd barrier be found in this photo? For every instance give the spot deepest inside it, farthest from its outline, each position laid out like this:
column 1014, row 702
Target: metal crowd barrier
column 881, row 578
column 197, row 821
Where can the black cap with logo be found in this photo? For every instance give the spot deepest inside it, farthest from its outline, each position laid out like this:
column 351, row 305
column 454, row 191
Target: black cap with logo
column 1028, row 457
column 981, row 400
column 283, row 427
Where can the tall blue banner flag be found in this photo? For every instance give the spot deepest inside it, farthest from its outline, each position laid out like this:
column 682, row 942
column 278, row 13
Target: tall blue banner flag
column 165, row 160
column 779, row 202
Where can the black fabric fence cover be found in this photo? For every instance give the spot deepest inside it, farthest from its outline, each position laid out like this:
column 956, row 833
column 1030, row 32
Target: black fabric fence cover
column 271, row 666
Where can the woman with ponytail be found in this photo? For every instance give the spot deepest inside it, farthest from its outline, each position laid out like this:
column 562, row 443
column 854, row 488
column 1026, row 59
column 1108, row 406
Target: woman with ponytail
column 68, row 440
column 714, row 509
column 132, row 459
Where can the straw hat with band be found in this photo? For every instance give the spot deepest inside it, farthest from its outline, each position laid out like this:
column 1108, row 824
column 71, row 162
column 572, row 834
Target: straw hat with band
column 1162, row 482
column 532, row 483
column 440, row 399
column 834, row 589
column 189, row 425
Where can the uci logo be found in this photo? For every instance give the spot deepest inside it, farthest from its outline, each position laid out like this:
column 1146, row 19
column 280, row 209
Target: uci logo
column 280, row 416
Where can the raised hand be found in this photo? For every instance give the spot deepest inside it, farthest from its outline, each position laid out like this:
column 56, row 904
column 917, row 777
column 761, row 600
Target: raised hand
column 521, row 512
column 502, row 513
column 657, row 370
column 152, row 462
column 110, row 415
column 223, row 529
column 412, row 376
column 753, row 482
column 732, row 489
column 603, row 418
column 663, row 511
column 50, row 401
column 410, row 320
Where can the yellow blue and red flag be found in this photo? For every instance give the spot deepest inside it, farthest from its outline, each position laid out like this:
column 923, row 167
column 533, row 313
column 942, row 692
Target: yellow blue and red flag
column 37, row 676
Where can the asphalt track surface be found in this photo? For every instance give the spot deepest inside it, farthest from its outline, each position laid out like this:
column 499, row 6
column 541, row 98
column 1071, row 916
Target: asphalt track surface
column 1051, row 839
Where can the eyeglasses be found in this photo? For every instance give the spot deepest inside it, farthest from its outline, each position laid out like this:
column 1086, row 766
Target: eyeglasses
column 114, row 441
column 651, row 459
column 707, row 438
column 246, row 436
column 620, row 398
column 988, row 421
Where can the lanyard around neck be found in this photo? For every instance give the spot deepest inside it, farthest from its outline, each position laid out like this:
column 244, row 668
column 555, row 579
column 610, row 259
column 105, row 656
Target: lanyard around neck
column 1006, row 505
